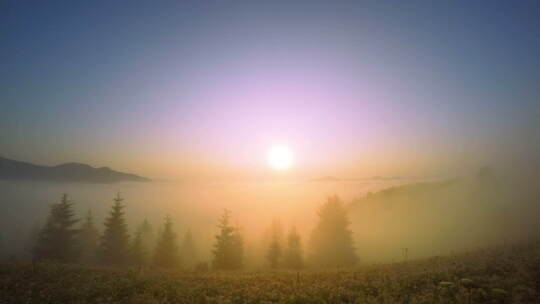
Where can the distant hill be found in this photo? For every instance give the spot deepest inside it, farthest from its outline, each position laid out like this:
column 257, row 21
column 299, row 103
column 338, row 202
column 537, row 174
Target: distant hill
column 414, row 189
column 69, row 172
column 338, row 179
column 326, row 179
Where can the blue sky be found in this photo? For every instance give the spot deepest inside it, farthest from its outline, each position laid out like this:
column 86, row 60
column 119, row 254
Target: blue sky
column 355, row 87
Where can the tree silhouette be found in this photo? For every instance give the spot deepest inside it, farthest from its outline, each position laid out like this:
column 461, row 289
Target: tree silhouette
column 188, row 251
column 274, row 252
column 31, row 243
column 229, row 248
column 166, row 253
column 57, row 239
column 142, row 245
column 114, row 247
column 238, row 248
column 293, row 254
column 137, row 252
column 331, row 240
column 148, row 237
column 88, row 240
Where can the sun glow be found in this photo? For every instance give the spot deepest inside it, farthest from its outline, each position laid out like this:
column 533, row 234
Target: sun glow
column 280, row 157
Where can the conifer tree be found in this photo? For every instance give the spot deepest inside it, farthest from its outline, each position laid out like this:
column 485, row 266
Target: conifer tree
column 293, row 254
column 188, row 251
column 274, row 251
column 57, row 239
column 114, row 247
column 331, row 241
column 148, row 237
column 138, row 254
column 229, row 248
column 88, row 240
column 142, row 245
column 166, row 252
column 238, row 248
column 31, row 243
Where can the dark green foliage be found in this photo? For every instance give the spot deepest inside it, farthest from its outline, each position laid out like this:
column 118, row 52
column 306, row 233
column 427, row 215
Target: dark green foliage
column 114, row 247
column 274, row 252
column 293, row 255
column 229, row 247
column 331, row 241
column 57, row 239
column 188, row 251
column 88, row 240
column 166, row 252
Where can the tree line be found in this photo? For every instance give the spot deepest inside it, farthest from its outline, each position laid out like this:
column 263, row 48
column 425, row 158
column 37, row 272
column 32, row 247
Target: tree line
column 67, row 239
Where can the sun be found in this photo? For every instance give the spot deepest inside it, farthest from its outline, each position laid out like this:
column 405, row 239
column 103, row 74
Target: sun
column 280, row 157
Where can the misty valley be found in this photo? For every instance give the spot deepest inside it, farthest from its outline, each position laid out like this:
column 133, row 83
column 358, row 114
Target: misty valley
column 261, row 152
column 434, row 234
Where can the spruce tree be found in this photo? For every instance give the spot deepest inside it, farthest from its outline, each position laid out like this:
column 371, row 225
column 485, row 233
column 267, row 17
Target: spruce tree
column 238, row 248
column 274, row 251
column 166, row 252
column 188, row 251
column 138, row 254
column 57, row 239
column 293, row 254
column 114, row 247
column 331, row 241
column 142, row 245
column 229, row 248
column 31, row 243
column 88, row 240
column 148, row 237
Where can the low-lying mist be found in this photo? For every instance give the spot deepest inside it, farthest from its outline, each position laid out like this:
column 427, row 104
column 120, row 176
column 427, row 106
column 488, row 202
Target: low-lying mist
column 445, row 217
column 428, row 217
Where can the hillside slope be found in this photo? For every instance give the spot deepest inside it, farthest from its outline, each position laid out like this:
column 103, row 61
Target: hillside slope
column 69, row 172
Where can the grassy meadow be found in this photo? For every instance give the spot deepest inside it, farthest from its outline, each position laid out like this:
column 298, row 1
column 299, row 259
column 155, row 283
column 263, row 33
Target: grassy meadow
column 502, row 274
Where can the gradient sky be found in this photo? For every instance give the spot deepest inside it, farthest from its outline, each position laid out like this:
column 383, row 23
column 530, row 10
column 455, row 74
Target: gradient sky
column 184, row 89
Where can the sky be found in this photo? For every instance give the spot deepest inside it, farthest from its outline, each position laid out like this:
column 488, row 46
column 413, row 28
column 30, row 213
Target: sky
column 203, row 89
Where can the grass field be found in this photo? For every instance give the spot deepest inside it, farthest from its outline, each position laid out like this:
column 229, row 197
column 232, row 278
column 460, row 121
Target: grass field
column 505, row 274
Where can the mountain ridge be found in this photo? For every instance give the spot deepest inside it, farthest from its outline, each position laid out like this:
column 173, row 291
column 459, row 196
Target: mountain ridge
column 67, row 172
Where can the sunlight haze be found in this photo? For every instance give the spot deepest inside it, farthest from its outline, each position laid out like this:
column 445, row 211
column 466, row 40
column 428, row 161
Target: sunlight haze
column 307, row 151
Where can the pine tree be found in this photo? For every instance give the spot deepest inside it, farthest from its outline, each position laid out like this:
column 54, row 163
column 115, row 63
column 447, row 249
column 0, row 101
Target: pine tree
column 88, row 240
column 238, row 248
column 138, row 255
column 166, row 252
column 274, row 252
column 229, row 247
column 31, row 243
column 114, row 247
column 148, row 237
column 331, row 240
column 293, row 254
column 188, row 251
column 142, row 245
column 57, row 239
